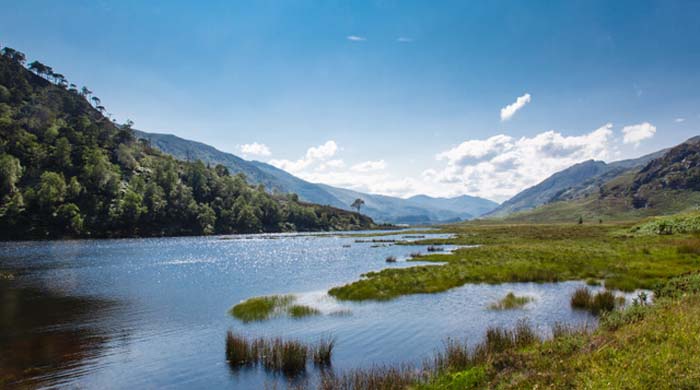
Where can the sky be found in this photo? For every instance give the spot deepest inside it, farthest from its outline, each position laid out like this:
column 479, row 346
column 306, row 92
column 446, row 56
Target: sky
column 443, row 98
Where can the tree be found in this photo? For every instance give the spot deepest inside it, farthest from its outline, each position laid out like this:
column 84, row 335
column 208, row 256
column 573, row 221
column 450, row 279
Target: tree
column 10, row 173
column 52, row 189
column 13, row 54
column 85, row 92
column 69, row 219
column 357, row 204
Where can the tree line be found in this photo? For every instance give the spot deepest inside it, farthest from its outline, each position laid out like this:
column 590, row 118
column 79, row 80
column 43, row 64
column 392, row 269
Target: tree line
column 68, row 170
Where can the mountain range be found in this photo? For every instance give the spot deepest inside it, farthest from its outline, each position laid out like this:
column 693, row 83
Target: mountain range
column 419, row 209
column 664, row 182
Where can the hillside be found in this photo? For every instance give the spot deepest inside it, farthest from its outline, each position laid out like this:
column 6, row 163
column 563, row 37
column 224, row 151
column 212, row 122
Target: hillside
column 68, row 171
column 667, row 184
column 420, row 209
column 574, row 182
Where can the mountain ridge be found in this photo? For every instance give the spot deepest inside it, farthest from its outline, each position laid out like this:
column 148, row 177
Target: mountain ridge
column 420, row 209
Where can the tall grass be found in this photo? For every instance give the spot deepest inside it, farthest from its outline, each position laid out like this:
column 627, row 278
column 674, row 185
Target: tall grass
column 323, row 351
column 276, row 354
column 603, row 301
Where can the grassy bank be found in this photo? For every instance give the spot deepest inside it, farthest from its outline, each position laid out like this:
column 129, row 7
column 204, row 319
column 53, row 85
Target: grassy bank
column 642, row 347
column 621, row 255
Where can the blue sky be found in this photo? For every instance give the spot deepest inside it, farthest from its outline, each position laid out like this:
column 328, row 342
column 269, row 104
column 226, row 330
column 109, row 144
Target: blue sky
column 393, row 97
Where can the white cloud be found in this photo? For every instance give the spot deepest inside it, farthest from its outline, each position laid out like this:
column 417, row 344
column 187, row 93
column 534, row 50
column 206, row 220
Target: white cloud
column 254, row 149
column 313, row 155
column 356, row 38
column 501, row 166
column 404, row 39
column 634, row 134
column 679, row 120
column 508, row 111
column 369, row 166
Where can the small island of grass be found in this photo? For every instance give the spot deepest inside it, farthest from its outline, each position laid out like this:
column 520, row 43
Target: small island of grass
column 261, row 308
column 511, row 301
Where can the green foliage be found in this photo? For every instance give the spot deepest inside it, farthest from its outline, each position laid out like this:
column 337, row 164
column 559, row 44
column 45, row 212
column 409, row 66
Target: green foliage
column 301, row 311
column 510, row 301
column 66, row 170
column 261, row 308
column 679, row 223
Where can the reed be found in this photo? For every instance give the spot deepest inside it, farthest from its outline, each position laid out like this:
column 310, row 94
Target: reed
column 323, row 352
column 301, row 311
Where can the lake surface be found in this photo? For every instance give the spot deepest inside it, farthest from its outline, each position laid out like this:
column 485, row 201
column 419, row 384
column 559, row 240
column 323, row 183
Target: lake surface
column 153, row 313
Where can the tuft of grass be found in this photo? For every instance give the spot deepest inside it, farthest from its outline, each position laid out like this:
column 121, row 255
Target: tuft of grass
column 260, row 308
column 323, row 352
column 511, row 301
column 301, row 311
column 603, row 301
column 592, row 282
column 284, row 356
column 433, row 248
column 391, row 259
column 581, row 298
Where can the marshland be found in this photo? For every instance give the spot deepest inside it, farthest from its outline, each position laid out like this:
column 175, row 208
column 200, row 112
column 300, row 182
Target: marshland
column 167, row 304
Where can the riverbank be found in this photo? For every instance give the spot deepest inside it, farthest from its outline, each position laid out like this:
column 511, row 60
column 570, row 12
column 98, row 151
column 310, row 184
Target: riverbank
column 621, row 256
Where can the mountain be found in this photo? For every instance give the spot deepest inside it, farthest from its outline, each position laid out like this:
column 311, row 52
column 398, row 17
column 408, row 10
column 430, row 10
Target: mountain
column 419, row 209
column 571, row 183
column 666, row 182
column 68, row 171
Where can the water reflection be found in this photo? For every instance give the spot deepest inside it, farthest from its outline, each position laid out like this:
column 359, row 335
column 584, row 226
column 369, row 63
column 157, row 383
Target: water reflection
column 39, row 337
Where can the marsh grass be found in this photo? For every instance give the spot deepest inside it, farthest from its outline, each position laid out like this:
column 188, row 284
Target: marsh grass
column 511, row 301
column 301, row 311
column 603, row 301
column 288, row 357
column 261, row 308
column 532, row 253
column 391, row 259
column 433, row 248
column 323, row 352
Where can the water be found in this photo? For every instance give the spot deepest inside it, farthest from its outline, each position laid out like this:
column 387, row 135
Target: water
column 152, row 313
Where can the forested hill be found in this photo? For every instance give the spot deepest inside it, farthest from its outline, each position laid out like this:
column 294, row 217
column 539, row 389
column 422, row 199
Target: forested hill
column 66, row 170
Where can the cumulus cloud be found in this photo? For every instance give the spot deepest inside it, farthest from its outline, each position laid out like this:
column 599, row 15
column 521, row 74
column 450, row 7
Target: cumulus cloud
column 313, row 155
column 635, row 134
column 679, row 120
column 356, row 38
column 255, row 149
column 496, row 167
column 369, row 166
column 508, row 111
column 500, row 166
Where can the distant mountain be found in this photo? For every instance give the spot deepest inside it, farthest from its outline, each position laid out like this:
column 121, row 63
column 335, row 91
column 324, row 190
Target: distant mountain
column 419, row 209
column 664, row 182
column 574, row 182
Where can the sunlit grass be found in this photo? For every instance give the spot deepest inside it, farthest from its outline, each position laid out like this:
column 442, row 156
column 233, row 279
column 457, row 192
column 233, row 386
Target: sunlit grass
column 510, row 301
column 608, row 253
column 260, row 308
column 301, row 311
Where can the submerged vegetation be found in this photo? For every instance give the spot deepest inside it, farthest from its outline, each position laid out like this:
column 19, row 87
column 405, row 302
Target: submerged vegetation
column 68, row 170
column 610, row 253
column 300, row 311
column 511, row 301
